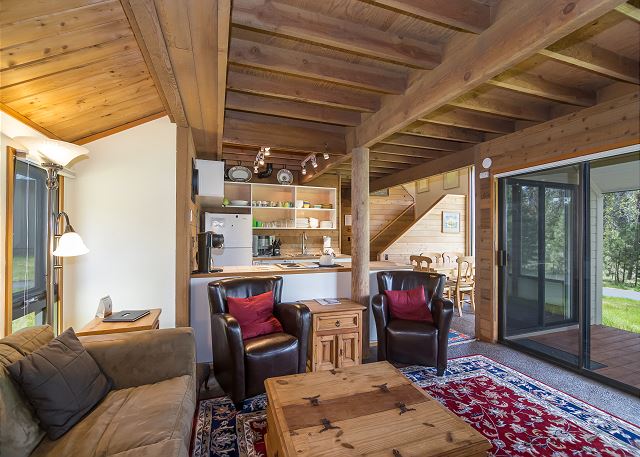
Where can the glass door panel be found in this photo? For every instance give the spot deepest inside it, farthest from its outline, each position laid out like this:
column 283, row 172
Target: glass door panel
column 540, row 277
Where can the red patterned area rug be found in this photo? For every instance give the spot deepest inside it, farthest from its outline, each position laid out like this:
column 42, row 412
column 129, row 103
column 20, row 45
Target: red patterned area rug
column 519, row 415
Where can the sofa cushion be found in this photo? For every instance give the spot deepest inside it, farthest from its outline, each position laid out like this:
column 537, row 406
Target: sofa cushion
column 20, row 432
column 149, row 420
column 61, row 381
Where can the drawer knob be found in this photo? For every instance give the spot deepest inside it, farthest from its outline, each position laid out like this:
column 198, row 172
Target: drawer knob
column 337, row 323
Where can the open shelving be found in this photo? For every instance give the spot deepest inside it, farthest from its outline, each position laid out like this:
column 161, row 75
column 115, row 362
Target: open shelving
column 253, row 192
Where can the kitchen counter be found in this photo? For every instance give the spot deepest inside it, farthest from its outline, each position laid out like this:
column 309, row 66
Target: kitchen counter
column 299, row 257
column 267, row 270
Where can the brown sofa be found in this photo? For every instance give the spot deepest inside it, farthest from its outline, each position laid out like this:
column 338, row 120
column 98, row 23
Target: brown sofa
column 148, row 412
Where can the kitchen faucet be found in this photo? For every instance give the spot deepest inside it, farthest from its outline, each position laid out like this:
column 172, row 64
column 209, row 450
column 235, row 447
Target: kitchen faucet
column 303, row 239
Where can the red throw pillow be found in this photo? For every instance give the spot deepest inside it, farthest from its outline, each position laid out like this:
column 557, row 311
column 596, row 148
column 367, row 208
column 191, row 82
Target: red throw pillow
column 410, row 305
column 254, row 314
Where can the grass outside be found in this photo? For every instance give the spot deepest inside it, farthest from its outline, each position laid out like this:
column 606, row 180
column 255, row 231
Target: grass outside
column 625, row 286
column 621, row 313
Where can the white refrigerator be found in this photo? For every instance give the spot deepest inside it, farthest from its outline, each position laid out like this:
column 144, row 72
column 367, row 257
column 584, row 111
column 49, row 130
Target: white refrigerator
column 236, row 229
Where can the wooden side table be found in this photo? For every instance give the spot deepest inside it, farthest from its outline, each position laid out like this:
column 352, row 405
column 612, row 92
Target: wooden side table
column 97, row 327
column 336, row 335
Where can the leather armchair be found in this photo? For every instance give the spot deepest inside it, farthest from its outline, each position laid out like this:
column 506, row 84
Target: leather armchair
column 413, row 342
column 242, row 366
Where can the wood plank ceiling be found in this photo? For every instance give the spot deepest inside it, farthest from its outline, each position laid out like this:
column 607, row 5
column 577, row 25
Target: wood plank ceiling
column 73, row 69
column 305, row 76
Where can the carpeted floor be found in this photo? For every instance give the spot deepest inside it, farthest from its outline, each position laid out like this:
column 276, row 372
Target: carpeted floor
column 517, row 414
column 599, row 395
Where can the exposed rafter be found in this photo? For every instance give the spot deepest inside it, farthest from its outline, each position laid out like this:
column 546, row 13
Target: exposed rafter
column 415, row 141
column 279, row 18
column 470, row 120
column 444, row 132
column 273, row 58
column 463, row 14
column 477, row 58
column 300, row 89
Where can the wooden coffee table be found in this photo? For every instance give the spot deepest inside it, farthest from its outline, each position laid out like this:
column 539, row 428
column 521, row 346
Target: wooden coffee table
column 363, row 410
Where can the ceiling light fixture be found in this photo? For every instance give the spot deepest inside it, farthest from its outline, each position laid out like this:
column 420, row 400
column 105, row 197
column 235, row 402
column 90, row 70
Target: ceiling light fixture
column 264, row 151
column 304, row 171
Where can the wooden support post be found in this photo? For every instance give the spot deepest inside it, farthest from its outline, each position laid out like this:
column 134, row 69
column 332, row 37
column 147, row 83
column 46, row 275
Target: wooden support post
column 360, row 237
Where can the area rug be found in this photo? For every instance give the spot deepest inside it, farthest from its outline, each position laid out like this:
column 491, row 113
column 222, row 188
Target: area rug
column 456, row 338
column 519, row 415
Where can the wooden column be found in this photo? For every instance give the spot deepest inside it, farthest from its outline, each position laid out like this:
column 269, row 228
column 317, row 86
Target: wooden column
column 360, row 237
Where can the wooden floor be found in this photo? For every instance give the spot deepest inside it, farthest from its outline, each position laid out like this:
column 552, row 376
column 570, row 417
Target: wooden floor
column 617, row 349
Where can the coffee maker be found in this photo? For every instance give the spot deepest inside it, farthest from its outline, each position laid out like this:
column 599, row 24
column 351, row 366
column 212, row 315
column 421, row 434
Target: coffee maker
column 207, row 242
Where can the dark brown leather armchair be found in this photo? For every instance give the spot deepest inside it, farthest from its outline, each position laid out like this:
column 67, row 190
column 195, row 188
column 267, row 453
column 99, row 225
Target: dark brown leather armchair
column 242, row 366
column 413, row 342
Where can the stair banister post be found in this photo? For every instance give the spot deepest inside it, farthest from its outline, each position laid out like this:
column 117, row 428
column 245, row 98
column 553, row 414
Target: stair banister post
column 360, row 249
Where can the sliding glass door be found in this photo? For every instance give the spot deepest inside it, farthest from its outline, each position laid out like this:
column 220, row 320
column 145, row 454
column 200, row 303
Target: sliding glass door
column 541, row 284
column 570, row 266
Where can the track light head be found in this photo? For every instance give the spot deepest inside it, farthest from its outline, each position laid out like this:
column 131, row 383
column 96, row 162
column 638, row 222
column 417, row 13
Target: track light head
column 304, row 171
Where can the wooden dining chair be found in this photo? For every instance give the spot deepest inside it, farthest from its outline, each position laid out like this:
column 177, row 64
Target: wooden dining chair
column 421, row 262
column 450, row 257
column 464, row 283
column 435, row 256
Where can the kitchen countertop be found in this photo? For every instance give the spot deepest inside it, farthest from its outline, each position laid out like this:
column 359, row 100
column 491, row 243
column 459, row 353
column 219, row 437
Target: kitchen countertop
column 298, row 257
column 267, row 270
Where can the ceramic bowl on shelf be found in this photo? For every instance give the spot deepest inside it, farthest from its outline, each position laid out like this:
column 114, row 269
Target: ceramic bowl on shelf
column 239, row 203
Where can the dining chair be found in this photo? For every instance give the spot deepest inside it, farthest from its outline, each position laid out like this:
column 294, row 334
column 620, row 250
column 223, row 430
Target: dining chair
column 418, row 262
column 464, row 284
column 435, row 256
column 450, row 257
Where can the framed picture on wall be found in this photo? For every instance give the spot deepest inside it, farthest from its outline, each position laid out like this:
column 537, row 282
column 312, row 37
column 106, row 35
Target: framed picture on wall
column 380, row 193
column 422, row 185
column 450, row 222
column 451, row 180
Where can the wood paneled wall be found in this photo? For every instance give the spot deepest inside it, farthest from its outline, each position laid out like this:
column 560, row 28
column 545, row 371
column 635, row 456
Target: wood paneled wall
column 382, row 210
column 603, row 127
column 426, row 234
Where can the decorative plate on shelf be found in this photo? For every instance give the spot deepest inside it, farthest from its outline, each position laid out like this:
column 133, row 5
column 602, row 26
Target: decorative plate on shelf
column 285, row 176
column 239, row 174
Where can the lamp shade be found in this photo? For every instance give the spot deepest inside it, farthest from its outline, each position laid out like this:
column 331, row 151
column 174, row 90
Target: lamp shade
column 70, row 245
column 58, row 152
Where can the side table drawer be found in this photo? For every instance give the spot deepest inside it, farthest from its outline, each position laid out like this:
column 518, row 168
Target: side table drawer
column 334, row 322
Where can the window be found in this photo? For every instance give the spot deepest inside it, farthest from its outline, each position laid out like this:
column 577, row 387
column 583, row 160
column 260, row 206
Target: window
column 29, row 245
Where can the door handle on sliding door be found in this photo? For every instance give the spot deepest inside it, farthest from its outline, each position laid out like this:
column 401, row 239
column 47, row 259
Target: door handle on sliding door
column 502, row 258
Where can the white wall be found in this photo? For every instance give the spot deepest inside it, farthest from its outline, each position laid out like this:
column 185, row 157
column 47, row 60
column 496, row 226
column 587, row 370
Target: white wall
column 122, row 203
column 9, row 128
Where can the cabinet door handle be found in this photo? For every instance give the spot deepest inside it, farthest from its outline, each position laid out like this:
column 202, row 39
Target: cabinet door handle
column 337, row 323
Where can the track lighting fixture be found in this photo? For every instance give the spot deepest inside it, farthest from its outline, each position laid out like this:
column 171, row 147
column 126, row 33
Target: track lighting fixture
column 264, row 151
column 304, row 171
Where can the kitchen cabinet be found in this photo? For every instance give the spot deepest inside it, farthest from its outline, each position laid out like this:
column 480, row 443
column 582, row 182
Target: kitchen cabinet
column 211, row 187
column 336, row 335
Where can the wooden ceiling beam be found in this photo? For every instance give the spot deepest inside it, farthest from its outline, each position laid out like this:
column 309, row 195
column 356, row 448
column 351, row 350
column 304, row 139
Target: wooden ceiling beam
column 470, row 120
column 444, row 132
column 414, row 141
column 462, row 14
column 291, row 108
column 491, row 104
column 474, row 59
column 528, row 84
column 257, row 131
column 382, row 157
column 288, row 61
column 300, row 89
column 595, row 59
column 434, row 167
column 290, row 21
column 408, row 151
column 630, row 11
column 146, row 28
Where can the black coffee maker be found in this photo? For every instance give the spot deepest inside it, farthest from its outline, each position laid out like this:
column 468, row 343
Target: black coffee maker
column 207, row 242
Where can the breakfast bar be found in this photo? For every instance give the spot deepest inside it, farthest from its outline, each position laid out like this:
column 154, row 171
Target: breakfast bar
column 307, row 283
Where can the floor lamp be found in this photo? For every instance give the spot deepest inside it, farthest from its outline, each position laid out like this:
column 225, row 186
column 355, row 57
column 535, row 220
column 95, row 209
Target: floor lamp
column 53, row 156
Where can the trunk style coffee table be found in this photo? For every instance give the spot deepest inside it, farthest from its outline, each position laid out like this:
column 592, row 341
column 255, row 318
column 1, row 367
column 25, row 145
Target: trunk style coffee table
column 363, row 410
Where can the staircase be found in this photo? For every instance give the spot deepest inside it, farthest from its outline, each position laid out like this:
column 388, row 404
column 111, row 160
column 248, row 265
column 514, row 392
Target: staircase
column 390, row 232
